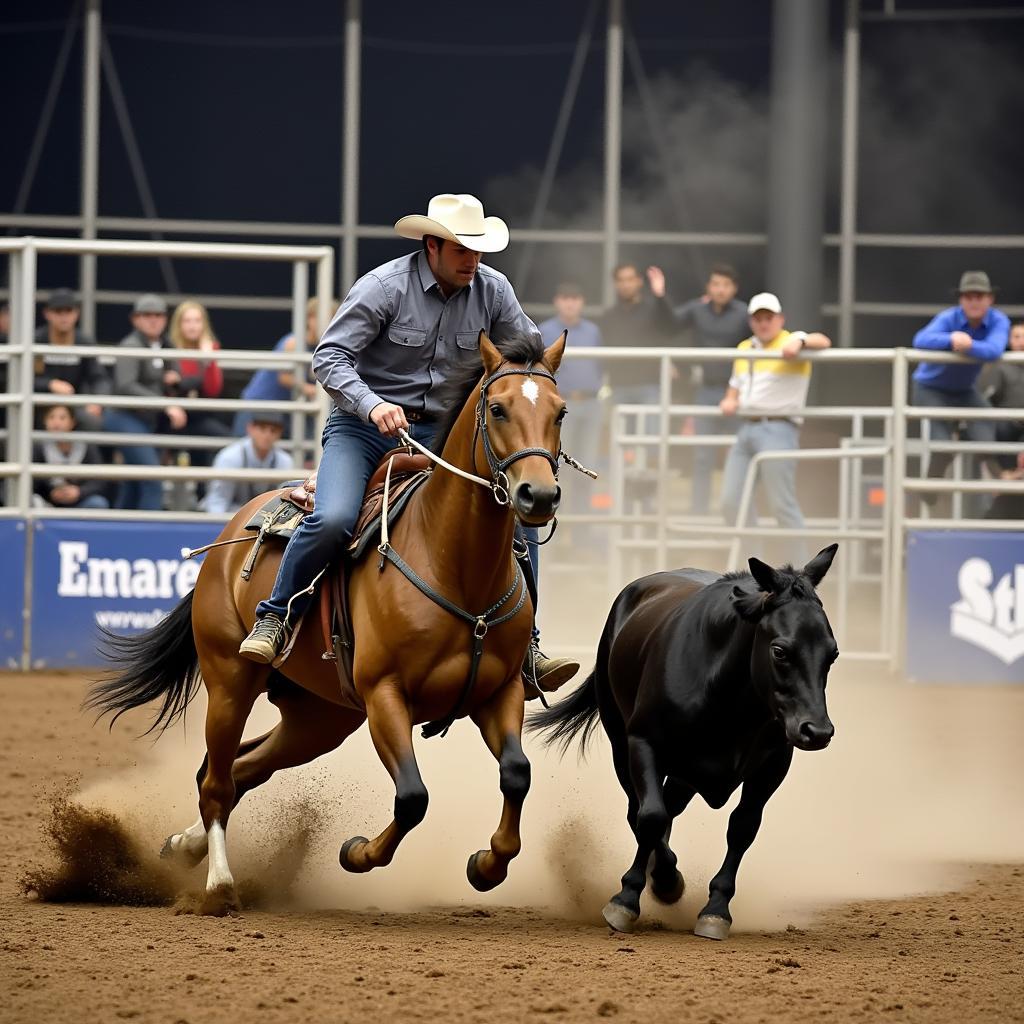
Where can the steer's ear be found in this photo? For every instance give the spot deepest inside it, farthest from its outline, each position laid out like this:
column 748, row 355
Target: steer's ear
column 764, row 574
column 748, row 605
column 816, row 568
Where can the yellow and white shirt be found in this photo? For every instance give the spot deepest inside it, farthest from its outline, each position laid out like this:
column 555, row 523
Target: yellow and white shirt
column 770, row 387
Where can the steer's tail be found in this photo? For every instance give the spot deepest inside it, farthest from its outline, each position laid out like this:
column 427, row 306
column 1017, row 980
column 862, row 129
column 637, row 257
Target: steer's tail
column 161, row 663
column 577, row 713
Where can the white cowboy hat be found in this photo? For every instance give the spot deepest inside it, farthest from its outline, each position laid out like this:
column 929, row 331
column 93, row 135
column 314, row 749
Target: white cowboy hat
column 459, row 218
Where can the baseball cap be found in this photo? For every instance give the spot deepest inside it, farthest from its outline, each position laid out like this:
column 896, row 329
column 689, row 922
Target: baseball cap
column 764, row 300
column 62, row 298
column 150, row 303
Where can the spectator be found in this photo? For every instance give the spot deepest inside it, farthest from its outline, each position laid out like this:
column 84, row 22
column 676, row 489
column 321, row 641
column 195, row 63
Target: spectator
column 57, row 491
column 768, row 394
column 69, row 374
column 192, row 378
column 579, row 383
column 1002, row 385
column 974, row 328
column 141, row 378
column 637, row 320
column 718, row 320
column 5, row 322
column 257, row 451
column 276, row 385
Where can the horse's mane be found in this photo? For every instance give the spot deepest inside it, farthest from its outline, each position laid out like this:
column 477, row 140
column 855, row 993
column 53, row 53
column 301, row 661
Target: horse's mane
column 452, row 395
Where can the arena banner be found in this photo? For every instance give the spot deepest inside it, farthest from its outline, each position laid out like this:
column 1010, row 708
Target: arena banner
column 965, row 607
column 12, row 593
column 123, row 576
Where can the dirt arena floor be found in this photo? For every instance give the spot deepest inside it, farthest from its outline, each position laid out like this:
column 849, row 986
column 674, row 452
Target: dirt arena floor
column 885, row 885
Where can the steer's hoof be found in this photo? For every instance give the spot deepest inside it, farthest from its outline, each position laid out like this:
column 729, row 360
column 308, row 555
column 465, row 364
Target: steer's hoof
column 670, row 893
column 712, row 927
column 621, row 918
column 477, row 879
column 345, row 854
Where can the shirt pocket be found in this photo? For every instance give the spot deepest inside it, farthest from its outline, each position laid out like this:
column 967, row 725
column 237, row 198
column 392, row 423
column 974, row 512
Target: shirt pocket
column 409, row 337
column 468, row 340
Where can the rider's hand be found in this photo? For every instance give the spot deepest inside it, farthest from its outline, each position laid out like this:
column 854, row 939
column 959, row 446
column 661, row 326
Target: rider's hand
column 389, row 419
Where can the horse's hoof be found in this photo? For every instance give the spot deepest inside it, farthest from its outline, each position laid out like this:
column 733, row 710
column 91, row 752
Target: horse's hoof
column 220, row 901
column 344, row 857
column 180, row 854
column 621, row 918
column 671, row 893
column 476, row 878
column 712, row 927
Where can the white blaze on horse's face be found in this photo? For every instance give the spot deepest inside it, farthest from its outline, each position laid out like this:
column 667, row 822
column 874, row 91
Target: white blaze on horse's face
column 530, row 390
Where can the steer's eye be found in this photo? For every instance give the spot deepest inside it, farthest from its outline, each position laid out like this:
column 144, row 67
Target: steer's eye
column 779, row 653
column 497, row 411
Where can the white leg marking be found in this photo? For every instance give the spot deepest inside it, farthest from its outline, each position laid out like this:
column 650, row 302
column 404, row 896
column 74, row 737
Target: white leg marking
column 192, row 841
column 531, row 390
column 219, row 873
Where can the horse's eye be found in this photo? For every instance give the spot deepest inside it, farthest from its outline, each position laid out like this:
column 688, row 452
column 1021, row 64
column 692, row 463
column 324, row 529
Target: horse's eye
column 497, row 411
column 778, row 653
column 561, row 416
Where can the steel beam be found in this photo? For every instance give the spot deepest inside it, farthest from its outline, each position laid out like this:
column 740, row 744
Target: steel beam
column 350, row 145
column 612, row 146
column 90, row 161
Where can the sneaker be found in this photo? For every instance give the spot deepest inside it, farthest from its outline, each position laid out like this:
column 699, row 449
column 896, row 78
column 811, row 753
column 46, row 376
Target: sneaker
column 541, row 673
column 265, row 641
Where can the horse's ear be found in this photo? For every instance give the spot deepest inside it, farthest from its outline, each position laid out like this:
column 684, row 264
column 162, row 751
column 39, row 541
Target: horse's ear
column 764, row 574
column 748, row 606
column 554, row 352
column 489, row 354
column 816, row 568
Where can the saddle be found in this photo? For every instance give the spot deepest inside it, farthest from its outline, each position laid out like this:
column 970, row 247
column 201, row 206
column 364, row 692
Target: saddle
column 280, row 517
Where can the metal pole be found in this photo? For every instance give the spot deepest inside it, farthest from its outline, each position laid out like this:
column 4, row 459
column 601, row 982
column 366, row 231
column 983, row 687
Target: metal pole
column 350, row 154
column 796, row 178
column 848, row 184
column 14, row 378
column 300, row 293
column 26, row 307
column 324, row 312
column 90, row 161
column 612, row 146
column 897, row 512
column 547, row 179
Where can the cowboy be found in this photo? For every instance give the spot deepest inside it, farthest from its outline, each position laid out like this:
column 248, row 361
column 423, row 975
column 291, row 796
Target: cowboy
column 402, row 331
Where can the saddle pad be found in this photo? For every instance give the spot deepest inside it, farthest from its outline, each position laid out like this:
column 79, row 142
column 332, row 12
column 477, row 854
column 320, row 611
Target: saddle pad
column 278, row 516
column 367, row 529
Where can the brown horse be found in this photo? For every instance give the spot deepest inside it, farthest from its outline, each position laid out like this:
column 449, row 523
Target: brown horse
column 412, row 657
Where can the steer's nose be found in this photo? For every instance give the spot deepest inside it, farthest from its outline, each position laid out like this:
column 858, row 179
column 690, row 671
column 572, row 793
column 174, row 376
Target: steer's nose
column 535, row 501
column 816, row 735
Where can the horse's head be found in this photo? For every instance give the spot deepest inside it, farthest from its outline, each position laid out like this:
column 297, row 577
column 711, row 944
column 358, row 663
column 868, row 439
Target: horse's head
column 519, row 418
column 793, row 646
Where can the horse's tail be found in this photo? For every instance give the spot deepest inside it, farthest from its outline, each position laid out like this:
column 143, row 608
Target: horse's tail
column 577, row 713
column 160, row 663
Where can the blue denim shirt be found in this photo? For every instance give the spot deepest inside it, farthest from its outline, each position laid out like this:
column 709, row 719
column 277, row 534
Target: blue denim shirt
column 990, row 340
column 395, row 338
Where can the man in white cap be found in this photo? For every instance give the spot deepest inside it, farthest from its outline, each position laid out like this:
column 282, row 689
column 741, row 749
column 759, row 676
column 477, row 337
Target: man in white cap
column 404, row 329
column 767, row 395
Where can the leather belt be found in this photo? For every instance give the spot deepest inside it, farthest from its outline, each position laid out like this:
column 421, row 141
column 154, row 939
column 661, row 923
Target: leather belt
column 418, row 416
column 769, row 419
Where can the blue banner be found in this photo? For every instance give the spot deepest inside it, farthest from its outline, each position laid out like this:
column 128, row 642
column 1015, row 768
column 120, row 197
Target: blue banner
column 123, row 576
column 965, row 607
column 12, row 593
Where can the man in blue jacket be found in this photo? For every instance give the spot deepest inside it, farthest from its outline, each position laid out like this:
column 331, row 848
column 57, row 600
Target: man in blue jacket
column 974, row 328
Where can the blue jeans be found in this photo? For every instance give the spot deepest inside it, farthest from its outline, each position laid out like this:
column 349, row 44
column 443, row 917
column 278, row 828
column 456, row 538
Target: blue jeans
column 352, row 450
column 135, row 494
column 942, row 430
column 777, row 476
column 705, row 456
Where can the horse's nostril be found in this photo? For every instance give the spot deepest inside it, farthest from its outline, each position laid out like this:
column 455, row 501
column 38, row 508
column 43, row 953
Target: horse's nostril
column 524, row 497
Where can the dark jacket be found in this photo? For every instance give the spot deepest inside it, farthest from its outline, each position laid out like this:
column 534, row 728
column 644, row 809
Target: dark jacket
column 649, row 322
column 143, row 378
column 83, row 373
column 81, row 455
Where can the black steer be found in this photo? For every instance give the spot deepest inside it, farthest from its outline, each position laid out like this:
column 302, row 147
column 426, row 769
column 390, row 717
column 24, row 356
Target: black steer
column 703, row 682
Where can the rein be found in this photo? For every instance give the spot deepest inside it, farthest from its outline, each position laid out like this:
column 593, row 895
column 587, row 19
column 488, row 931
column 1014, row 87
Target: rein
column 483, row 622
